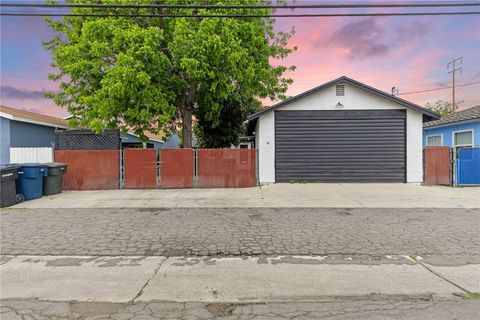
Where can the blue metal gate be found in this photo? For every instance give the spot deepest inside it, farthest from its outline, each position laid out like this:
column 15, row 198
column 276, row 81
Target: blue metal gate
column 468, row 166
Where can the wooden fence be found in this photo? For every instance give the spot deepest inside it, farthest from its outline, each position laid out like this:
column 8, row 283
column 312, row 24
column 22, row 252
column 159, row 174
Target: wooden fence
column 149, row 168
column 438, row 166
column 31, row 155
column 90, row 169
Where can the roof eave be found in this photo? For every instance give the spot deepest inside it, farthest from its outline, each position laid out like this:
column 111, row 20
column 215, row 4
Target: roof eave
column 445, row 124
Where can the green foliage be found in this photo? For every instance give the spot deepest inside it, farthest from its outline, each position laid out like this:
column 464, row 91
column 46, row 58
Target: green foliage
column 229, row 127
column 441, row 107
column 149, row 73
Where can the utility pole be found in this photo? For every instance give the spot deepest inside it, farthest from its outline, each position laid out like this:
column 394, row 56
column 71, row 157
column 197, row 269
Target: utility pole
column 453, row 72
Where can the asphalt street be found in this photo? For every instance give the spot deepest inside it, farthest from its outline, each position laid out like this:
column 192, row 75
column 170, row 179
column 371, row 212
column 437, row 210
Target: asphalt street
column 440, row 236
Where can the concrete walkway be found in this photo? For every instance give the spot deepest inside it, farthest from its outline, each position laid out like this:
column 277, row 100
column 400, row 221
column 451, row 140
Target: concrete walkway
column 242, row 279
column 277, row 195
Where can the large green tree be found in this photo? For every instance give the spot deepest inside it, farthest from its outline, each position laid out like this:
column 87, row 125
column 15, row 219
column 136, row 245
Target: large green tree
column 152, row 73
column 226, row 130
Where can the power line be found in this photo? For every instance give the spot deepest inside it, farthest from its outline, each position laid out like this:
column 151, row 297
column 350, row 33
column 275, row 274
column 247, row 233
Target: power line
column 470, row 81
column 440, row 88
column 212, row 6
column 47, row 14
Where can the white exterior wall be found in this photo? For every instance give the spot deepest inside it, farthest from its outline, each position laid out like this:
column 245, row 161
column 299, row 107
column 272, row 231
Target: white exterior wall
column 414, row 146
column 354, row 99
column 265, row 144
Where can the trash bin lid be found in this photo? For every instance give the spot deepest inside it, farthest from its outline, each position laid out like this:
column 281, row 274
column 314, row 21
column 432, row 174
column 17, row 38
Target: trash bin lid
column 55, row 164
column 8, row 166
column 32, row 165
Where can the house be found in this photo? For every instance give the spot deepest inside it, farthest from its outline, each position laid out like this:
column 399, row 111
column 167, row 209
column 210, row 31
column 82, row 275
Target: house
column 156, row 141
column 459, row 129
column 341, row 131
column 22, row 129
column 131, row 140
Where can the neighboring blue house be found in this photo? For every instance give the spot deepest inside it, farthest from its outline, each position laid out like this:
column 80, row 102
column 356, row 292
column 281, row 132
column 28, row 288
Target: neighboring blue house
column 459, row 129
column 23, row 129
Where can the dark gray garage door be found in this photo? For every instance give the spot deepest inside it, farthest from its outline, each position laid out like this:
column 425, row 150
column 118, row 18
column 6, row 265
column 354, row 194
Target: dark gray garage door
column 340, row 146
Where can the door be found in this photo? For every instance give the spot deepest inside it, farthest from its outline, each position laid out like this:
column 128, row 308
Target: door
column 340, row 146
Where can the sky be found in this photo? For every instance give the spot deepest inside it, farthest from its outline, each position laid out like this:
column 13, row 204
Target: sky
column 410, row 53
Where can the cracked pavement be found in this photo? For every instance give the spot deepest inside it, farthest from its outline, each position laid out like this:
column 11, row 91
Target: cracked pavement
column 358, row 310
column 358, row 236
column 440, row 236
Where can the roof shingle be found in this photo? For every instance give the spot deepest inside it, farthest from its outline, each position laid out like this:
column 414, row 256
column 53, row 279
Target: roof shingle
column 463, row 115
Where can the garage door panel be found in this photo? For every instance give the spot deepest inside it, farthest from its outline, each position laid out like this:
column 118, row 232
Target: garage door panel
column 340, row 146
column 349, row 114
column 324, row 127
column 347, row 166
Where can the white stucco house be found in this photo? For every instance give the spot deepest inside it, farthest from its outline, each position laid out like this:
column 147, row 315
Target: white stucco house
column 340, row 131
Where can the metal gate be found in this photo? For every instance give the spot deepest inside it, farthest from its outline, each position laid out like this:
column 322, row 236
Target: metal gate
column 140, row 167
column 438, row 166
column 468, row 166
column 176, row 168
column 340, row 146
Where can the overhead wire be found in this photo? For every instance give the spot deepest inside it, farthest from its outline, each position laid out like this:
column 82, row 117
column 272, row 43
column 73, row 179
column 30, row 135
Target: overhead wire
column 216, row 6
column 439, row 88
column 307, row 15
column 245, row 7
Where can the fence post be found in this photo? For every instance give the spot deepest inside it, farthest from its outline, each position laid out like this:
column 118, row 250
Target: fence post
column 424, row 166
column 159, row 168
column 196, row 183
column 454, row 165
column 121, row 168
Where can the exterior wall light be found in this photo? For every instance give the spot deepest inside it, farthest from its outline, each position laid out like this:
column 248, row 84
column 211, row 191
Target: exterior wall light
column 339, row 105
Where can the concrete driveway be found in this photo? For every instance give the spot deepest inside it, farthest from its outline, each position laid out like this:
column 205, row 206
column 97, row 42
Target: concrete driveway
column 331, row 195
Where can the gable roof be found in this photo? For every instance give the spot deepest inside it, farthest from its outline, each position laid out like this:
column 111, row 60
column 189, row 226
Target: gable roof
column 32, row 117
column 345, row 80
column 463, row 115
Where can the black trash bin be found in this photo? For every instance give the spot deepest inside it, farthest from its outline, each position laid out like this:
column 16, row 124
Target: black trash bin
column 52, row 182
column 8, row 175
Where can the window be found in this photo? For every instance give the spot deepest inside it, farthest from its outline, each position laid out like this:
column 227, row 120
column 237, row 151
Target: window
column 434, row 140
column 463, row 138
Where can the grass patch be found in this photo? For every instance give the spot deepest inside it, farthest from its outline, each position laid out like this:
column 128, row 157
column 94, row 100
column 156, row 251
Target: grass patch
column 473, row 296
column 297, row 181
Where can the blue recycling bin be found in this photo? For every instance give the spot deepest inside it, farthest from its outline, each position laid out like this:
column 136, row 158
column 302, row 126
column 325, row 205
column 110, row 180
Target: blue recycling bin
column 30, row 180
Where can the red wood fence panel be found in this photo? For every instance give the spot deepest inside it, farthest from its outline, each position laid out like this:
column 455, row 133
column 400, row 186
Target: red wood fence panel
column 438, row 166
column 226, row 168
column 90, row 169
column 140, row 167
column 176, row 168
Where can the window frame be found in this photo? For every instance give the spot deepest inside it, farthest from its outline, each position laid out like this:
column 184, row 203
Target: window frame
column 464, row 145
column 434, row 135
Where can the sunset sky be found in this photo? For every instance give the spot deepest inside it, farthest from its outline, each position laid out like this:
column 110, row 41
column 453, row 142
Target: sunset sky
column 410, row 53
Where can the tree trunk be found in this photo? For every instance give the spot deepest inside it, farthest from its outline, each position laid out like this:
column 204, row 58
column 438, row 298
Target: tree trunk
column 187, row 113
column 186, row 128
